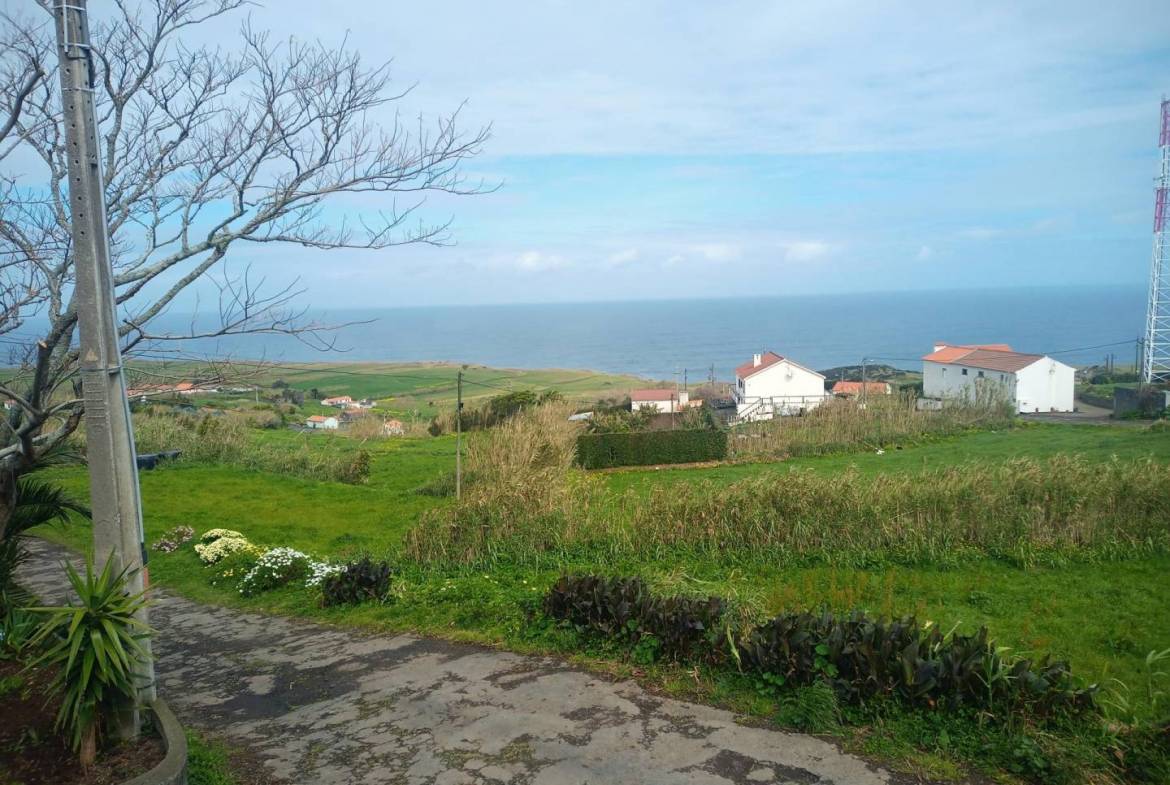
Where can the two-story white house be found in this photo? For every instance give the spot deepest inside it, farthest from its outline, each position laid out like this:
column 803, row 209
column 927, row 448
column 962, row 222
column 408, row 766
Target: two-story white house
column 1032, row 382
column 770, row 385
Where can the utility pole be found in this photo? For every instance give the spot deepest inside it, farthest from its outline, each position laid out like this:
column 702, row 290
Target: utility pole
column 459, row 435
column 113, row 470
column 864, row 374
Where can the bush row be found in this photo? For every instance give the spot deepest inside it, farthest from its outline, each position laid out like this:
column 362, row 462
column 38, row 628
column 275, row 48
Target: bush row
column 643, row 448
column 861, row 658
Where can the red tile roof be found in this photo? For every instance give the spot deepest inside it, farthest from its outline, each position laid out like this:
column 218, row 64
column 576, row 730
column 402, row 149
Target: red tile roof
column 653, row 395
column 748, row 368
column 318, row 418
column 989, row 356
column 854, row 388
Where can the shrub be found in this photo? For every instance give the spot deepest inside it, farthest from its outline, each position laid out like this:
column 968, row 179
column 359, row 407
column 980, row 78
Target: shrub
column 860, row 658
column 277, row 567
column 642, row 448
column 174, row 539
column 95, row 648
column 217, row 544
column 357, row 582
column 864, row 659
column 624, row 608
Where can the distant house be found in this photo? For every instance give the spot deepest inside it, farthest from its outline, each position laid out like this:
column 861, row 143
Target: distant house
column 660, row 401
column 845, row 389
column 771, row 384
column 393, row 428
column 319, row 422
column 1032, row 382
column 367, row 403
column 340, row 402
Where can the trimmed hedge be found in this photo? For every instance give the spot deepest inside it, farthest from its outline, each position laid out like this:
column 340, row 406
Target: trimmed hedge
column 642, row 448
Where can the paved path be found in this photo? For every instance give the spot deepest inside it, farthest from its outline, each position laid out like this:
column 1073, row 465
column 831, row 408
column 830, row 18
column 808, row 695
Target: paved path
column 322, row 705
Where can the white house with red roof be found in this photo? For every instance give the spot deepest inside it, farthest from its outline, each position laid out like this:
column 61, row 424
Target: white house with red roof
column 771, row 384
column 340, row 402
column 661, row 400
column 319, row 422
column 1032, row 382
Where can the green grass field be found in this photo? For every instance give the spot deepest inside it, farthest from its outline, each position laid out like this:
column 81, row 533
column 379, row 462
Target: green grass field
column 428, row 388
column 1102, row 442
column 1103, row 617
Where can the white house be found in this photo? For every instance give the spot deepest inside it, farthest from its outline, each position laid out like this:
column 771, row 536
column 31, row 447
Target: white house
column 340, row 402
column 321, row 423
column 770, row 385
column 661, row 401
column 1033, row 382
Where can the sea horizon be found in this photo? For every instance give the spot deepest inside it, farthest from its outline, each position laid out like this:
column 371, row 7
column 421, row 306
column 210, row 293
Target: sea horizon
column 655, row 338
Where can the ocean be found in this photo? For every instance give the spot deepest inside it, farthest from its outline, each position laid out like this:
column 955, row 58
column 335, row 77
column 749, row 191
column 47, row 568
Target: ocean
column 656, row 339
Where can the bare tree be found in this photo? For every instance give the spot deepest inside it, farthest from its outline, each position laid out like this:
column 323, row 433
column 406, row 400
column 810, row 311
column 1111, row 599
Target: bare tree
column 205, row 153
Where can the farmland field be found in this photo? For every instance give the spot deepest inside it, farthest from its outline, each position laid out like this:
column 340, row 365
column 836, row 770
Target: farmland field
column 1103, row 613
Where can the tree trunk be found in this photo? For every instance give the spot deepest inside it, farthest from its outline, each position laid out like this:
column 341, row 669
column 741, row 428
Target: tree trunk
column 88, row 751
column 7, row 500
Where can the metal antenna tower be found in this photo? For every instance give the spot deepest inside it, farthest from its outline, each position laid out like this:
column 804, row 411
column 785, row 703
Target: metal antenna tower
column 1156, row 353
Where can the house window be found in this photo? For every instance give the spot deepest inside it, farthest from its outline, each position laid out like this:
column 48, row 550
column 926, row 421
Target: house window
column 964, row 371
column 981, row 374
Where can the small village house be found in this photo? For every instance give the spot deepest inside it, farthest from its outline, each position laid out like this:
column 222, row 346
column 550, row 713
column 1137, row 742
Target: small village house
column 339, row 402
column 393, row 428
column 770, row 384
column 659, row 401
column 319, row 422
column 1032, row 382
column 846, row 389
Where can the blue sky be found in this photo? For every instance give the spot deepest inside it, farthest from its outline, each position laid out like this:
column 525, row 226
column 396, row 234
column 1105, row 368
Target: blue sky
column 656, row 150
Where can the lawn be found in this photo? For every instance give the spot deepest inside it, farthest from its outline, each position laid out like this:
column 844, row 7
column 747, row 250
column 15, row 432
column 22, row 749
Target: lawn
column 1030, row 440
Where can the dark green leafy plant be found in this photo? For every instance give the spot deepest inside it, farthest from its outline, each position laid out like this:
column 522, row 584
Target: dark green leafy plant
column 681, row 627
column 359, row 581
column 95, row 647
column 864, row 659
column 37, row 502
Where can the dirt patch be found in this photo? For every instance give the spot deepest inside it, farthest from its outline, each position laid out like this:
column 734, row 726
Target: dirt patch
column 31, row 753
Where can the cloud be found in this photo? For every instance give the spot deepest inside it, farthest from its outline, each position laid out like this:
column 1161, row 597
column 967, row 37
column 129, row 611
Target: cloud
column 924, row 253
column 625, row 256
column 537, row 262
column 718, row 252
column 806, row 250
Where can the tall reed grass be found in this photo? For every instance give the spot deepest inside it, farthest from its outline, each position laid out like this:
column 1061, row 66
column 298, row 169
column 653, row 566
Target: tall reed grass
column 844, row 425
column 1024, row 510
column 227, row 440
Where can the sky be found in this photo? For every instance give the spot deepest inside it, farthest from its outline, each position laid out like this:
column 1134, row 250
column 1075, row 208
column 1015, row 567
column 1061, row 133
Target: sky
column 696, row 149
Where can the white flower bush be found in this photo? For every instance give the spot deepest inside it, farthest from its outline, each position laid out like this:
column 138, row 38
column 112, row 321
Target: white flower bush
column 211, row 535
column 319, row 571
column 278, row 567
column 216, row 550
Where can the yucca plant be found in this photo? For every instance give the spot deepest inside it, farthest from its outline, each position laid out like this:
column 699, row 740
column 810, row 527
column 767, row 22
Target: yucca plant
column 95, row 647
column 37, row 502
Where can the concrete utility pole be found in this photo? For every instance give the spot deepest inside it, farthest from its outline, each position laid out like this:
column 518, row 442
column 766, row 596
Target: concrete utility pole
column 113, row 471
column 459, row 435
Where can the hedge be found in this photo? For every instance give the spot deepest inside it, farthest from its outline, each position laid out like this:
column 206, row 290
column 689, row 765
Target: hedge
column 641, row 448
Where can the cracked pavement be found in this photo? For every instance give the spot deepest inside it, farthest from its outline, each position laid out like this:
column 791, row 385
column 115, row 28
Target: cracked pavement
column 324, row 705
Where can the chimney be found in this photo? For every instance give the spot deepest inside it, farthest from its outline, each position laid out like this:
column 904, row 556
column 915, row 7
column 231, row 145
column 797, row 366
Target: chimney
column 938, row 346
column 756, row 359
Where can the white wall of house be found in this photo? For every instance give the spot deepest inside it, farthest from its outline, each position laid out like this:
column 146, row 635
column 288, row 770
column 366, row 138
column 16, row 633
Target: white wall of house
column 1046, row 385
column 664, row 405
column 780, row 389
column 328, row 424
column 947, row 380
